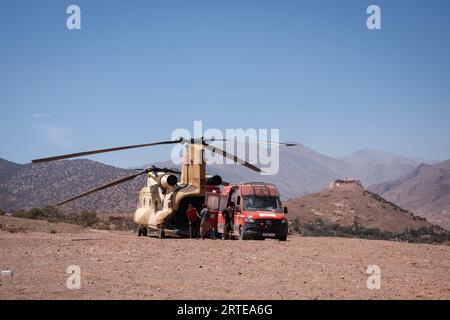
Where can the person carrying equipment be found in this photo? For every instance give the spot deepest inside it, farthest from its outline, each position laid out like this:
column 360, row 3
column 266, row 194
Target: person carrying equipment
column 205, row 224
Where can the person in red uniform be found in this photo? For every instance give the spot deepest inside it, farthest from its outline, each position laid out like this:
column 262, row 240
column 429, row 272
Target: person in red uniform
column 194, row 221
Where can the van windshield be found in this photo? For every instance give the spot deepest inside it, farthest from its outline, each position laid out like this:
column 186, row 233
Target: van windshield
column 261, row 203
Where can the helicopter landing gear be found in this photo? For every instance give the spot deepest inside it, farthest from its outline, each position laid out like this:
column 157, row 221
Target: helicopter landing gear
column 142, row 231
column 161, row 232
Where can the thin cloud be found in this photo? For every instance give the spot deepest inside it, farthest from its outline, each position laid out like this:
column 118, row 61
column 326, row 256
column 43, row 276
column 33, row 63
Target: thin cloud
column 41, row 115
column 59, row 136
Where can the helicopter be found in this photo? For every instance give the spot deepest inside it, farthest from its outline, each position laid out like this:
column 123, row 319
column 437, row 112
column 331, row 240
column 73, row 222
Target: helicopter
column 163, row 201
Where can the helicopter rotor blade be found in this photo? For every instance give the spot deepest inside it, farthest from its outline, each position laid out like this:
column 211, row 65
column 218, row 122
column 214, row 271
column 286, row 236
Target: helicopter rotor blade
column 283, row 144
column 174, row 171
column 108, row 185
column 159, row 169
column 155, row 169
column 165, row 169
column 232, row 157
column 87, row 153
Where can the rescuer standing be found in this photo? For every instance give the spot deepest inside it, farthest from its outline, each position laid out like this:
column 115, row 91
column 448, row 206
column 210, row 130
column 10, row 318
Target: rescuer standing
column 194, row 221
column 228, row 215
column 205, row 224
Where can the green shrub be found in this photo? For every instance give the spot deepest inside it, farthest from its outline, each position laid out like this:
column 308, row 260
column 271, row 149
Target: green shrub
column 19, row 213
column 296, row 225
column 432, row 234
column 88, row 218
column 52, row 214
column 102, row 226
column 49, row 213
column 14, row 229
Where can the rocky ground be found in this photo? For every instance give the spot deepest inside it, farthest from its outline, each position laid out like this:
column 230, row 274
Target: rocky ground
column 119, row 265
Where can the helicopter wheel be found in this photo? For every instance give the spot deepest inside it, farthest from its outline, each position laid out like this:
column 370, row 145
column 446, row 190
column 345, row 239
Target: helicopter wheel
column 161, row 232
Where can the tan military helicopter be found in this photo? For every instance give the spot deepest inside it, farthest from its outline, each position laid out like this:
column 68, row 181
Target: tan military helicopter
column 163, row 201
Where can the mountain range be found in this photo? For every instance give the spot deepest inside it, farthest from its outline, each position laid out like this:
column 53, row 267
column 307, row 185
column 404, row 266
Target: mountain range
column 425, row 191
column 34, row 185
column 302, row 171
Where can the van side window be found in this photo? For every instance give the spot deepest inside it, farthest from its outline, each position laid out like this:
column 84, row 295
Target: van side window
column 238, row 202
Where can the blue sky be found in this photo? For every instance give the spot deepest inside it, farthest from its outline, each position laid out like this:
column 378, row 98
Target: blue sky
column 310, row 68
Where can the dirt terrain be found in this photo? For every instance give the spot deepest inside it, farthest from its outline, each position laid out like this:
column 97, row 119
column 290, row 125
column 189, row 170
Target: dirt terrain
column 119, row 265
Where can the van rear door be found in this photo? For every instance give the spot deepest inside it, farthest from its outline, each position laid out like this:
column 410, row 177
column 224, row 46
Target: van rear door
column 220, row 219
column 212, row 201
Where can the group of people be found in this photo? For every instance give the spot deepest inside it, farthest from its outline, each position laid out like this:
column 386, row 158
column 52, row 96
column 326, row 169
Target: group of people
column 200, row 225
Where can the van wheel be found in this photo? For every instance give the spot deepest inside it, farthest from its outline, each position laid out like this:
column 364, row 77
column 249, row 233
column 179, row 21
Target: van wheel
column 161, row 233
column 139, row 231
column 284, row 238
column 144, row 232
